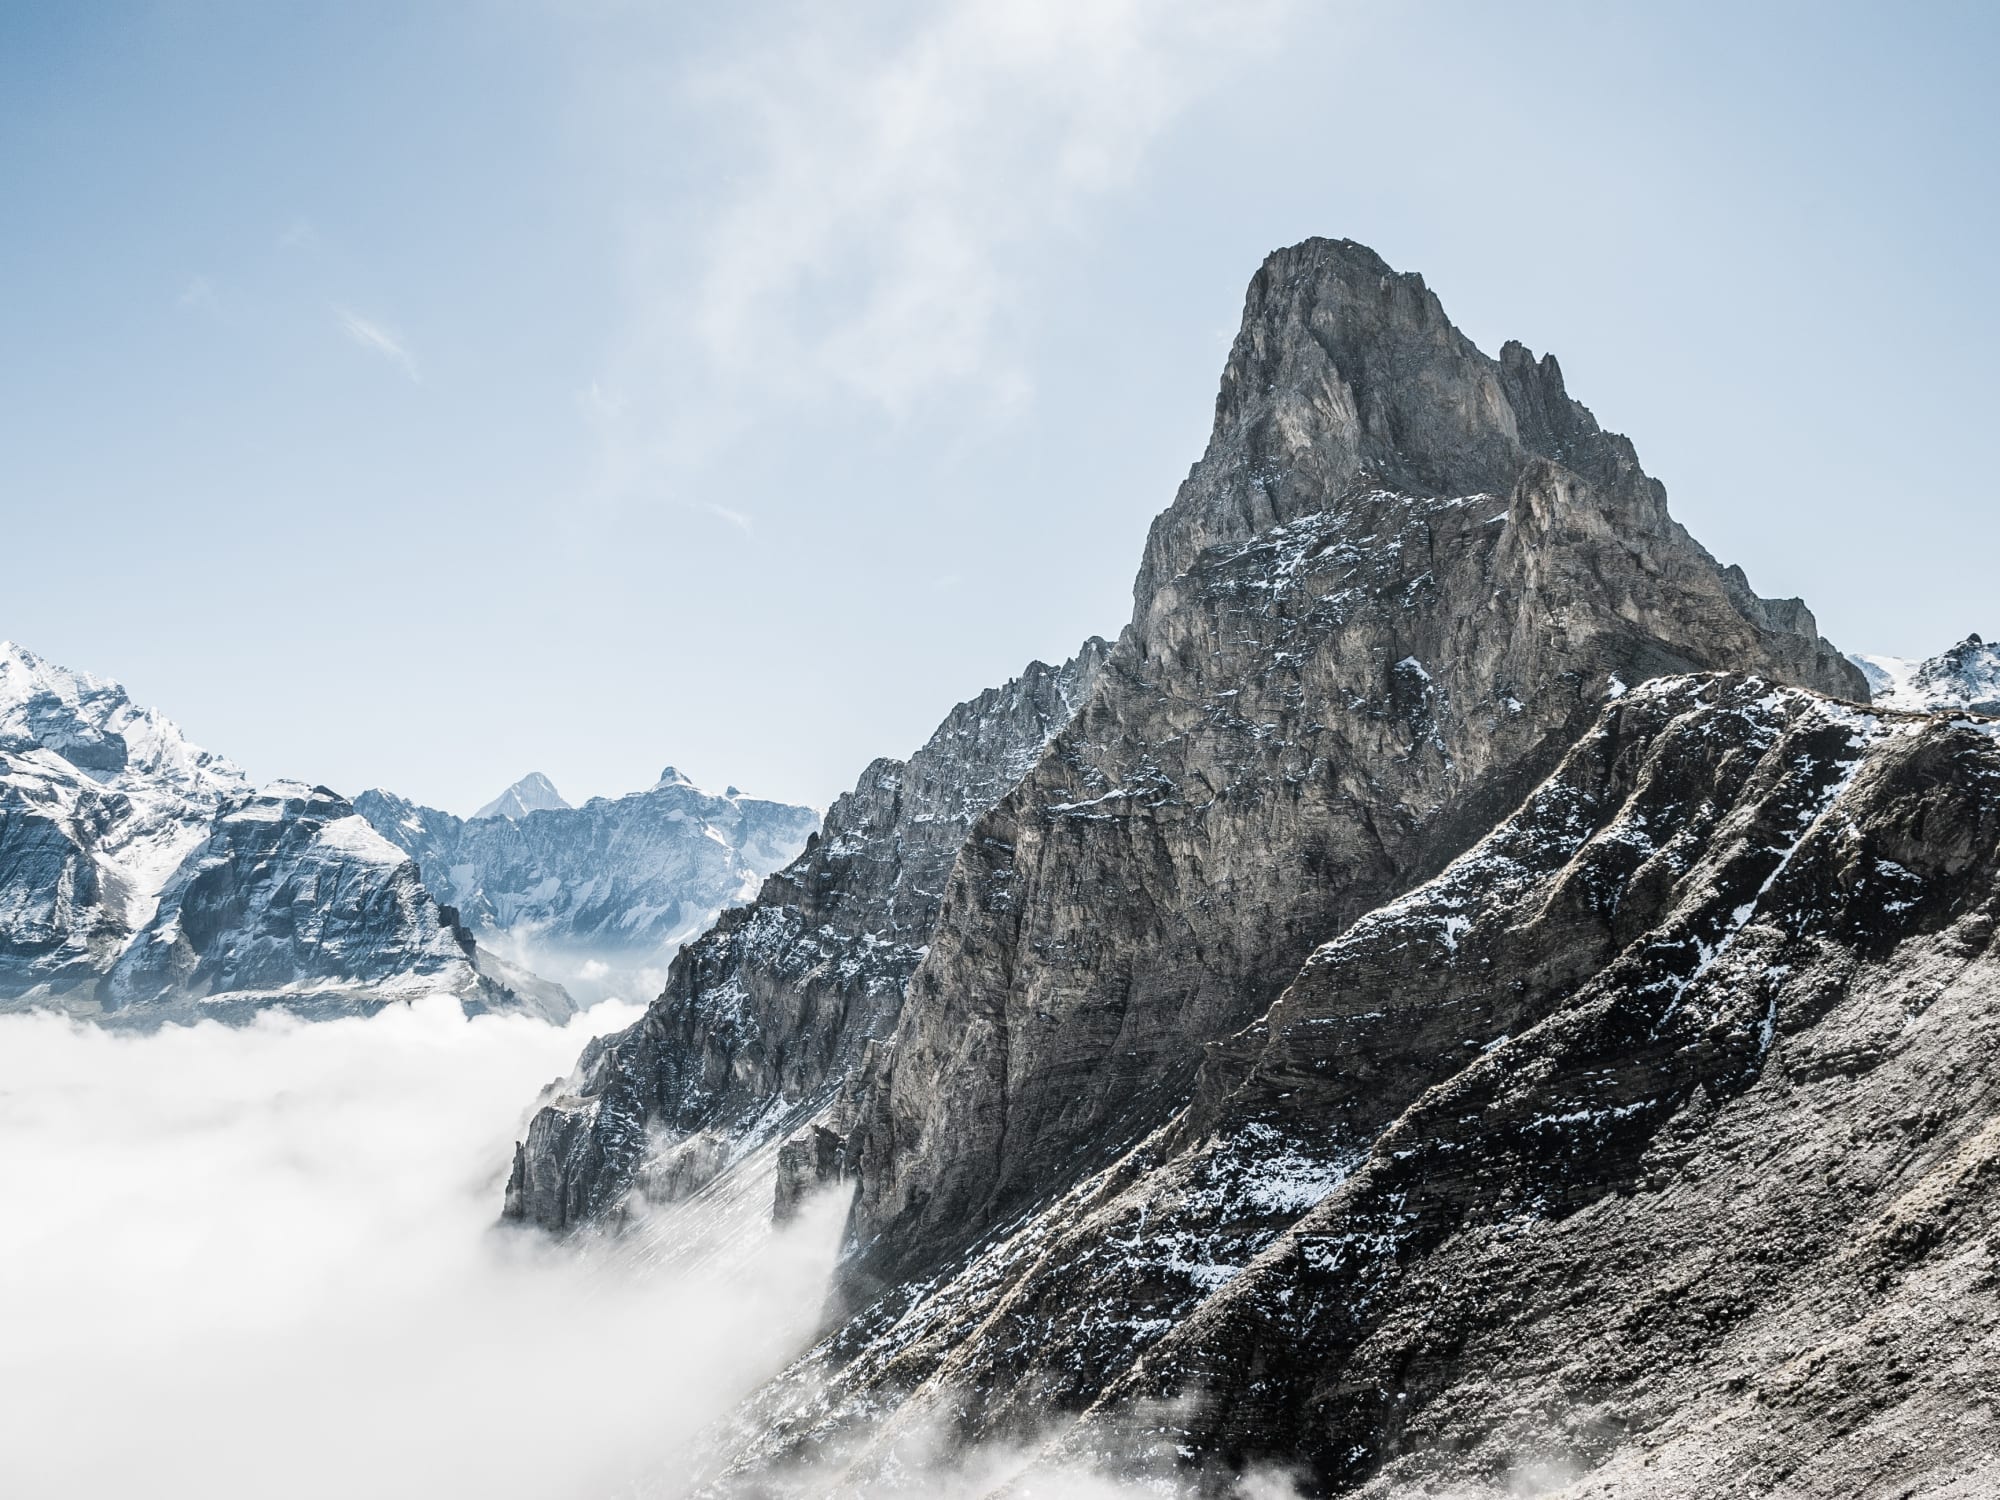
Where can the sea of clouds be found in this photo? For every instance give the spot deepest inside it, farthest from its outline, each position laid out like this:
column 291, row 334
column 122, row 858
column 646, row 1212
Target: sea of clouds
column 262, row 1261
column 245, row 1262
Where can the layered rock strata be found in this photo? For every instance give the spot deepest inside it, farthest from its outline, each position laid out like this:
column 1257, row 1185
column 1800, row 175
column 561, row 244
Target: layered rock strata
column 1645, row 1151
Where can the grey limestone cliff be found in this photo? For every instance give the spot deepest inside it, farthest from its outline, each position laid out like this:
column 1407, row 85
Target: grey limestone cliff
column 1415, row 1018
column 775, row 1005
column 1647, row 1150
column 1400, row 583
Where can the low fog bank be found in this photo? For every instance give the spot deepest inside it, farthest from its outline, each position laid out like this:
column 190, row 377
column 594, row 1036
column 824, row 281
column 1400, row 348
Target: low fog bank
column 591, row 973
column 259, row 1261
column 245, row 1262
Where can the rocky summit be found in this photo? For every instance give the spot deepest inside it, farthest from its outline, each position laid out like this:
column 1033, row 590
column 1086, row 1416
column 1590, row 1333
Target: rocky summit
column 1400, row 583
column 1463, row 997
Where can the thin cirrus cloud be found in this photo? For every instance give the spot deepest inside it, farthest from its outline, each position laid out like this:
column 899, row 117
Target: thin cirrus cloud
column 735, row 518
column 379, row 340
column 887, row 195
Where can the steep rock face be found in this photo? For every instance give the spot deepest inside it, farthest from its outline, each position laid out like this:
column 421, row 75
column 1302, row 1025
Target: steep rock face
column 1966, row 676
column 1399, row 584
column 616, row 883
column 1651, row 1142
column 1728, row 1199
column 143, row 880
column 774, row 1005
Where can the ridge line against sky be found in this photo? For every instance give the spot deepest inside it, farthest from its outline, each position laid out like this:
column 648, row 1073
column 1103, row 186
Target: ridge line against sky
column 588, row 388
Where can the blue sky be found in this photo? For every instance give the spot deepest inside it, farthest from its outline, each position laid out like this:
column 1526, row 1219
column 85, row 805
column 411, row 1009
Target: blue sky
column 420, row 395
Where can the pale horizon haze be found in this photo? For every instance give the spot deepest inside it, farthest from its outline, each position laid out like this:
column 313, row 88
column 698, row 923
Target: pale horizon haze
column 417, row 397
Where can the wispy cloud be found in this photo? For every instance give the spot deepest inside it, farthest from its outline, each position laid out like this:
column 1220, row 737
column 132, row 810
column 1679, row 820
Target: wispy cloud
column 897, row 196
column 199, row 292
column 735, row 518
column 891, row 187
column 383, row 341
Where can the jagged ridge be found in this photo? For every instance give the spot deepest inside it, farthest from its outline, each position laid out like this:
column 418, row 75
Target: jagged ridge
column 778, row 1001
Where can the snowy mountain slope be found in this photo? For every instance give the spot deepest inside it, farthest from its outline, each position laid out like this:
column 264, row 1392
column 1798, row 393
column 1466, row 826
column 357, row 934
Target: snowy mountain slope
column 93, row 725
column 598, row 895
column 143, row 879
column 532, row 793
column 1966, row 676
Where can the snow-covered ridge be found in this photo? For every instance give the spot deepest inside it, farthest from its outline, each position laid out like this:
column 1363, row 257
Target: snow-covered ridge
column 92, row 723
column 1965, row 676
column 143, row 878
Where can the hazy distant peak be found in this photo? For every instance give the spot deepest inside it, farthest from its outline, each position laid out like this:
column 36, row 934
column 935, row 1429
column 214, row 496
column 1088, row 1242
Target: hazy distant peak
column 532, row 793
column 1963, row 676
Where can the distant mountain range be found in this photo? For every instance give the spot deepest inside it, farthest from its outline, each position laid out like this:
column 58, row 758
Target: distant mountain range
column 598, row 895
column 532, row 793
column 144, row 879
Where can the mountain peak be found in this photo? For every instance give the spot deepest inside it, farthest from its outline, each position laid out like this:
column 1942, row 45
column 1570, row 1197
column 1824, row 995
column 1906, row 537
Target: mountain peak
column 1347, row 374
column 532, row 793
column 672, row 777
column 1966, row 675
column 92, row 723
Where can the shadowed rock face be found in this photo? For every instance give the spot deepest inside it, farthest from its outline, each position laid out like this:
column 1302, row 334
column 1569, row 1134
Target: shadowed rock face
column 776, row 1004
column 1400, row 583
column 1653, row 1140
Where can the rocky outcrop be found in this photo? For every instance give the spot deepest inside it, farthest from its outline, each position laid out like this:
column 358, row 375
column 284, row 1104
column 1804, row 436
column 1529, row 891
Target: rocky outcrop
column 1966, row 676
column 777, row 1003
column 1400, row 583
column 142, row 879
column 1649, row 1142
column 598, row 895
